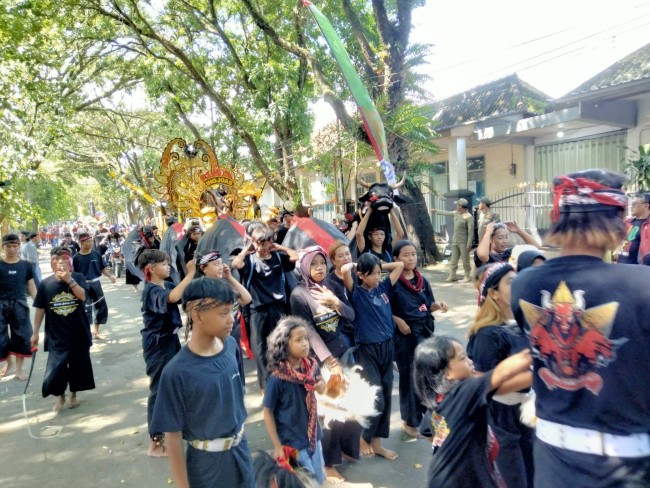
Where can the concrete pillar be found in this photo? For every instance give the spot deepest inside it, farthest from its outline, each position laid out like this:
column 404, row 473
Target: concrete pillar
column 457, row 163
column 529, row 164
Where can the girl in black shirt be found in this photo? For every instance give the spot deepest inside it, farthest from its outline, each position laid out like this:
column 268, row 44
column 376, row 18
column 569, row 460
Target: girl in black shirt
column 463, row 447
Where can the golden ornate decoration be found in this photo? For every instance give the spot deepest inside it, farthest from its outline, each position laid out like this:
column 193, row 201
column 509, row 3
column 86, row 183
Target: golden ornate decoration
column 193, row 183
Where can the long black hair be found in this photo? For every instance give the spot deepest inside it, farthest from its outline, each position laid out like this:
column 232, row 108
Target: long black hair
column 278, row 341
column 430, row 365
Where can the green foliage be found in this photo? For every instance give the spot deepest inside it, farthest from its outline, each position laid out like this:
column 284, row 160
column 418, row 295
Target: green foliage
column 90, row 85
column 638, row 168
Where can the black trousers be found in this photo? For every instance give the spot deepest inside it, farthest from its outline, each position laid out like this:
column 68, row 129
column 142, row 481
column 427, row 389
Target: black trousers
column 96, row 302
column 14, row 318
column 68, row 367
column 262, row 322
column 158, row 350
column 410, row 406
column 515, row 459
column 377, row 363
column 340, row 438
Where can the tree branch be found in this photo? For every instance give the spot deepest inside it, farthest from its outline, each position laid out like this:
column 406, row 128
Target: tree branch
column 367, row 52
column 386, row 29
column 117, row 87
column 404, row 18
column 328, row 92
column 188, row 123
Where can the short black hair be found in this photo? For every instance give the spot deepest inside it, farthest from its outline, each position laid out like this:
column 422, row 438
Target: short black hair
column 216, row 289
column 151, row 256
column 10, row 239
column 367, row 263
column 645, row 196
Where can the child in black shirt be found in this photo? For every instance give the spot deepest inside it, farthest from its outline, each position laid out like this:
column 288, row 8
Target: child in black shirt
column 91, row 264
column 60, row 301
column 262, row 266
column 413, row 304
column 16, row 275
column 290, row 411
column 464, row 449
column 162, row 319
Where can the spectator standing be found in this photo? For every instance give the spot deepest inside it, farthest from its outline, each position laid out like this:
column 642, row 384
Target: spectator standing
column 636, row 245
column 461, row 243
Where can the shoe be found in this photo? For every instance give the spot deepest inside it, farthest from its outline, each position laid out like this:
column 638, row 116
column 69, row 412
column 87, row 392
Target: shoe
column 451, row 279
column 467, row 279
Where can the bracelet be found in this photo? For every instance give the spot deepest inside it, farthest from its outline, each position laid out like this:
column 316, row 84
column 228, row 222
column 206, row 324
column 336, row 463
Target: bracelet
column 74, row 284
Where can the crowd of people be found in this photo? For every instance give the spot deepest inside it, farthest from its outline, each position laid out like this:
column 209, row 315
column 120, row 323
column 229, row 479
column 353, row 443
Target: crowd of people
column 569, row 334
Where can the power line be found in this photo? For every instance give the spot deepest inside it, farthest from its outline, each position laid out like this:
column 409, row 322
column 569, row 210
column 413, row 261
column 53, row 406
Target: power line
column 515, row 46
column 511, row 67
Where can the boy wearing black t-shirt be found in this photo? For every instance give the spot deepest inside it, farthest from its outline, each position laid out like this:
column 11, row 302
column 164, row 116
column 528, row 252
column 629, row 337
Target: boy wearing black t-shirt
column 60, row 301
column 14, row 311
column 262, row 265
column 89, row 263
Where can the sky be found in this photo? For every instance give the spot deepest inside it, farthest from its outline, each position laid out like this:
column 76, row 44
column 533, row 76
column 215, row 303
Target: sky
column 554, row 45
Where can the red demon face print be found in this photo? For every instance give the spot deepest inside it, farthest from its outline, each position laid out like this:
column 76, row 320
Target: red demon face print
column 571, row 341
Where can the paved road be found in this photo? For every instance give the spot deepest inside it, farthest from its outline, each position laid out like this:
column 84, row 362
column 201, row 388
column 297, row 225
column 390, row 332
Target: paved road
column 103, row 442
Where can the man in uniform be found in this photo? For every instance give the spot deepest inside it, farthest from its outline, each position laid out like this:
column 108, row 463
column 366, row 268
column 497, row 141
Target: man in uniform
column 461, row 243
column 485, row 216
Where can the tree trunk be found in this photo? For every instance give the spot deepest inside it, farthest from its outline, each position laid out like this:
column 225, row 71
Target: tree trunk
column 418, row 222
column 415, row 212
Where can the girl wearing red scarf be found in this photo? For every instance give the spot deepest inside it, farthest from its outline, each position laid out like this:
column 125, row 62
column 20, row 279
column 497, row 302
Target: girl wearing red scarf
column 290, row 412
column 412, row 303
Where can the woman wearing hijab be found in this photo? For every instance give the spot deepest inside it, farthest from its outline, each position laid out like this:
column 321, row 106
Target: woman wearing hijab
column 325, row 312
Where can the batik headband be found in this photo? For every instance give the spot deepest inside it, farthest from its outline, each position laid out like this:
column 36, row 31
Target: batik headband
column 212, row 256
column 570, row 193
column 491, row 277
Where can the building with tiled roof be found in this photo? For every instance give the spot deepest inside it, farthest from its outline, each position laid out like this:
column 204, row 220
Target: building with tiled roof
column 632, row 73
column 505, row 97
column 505, row 138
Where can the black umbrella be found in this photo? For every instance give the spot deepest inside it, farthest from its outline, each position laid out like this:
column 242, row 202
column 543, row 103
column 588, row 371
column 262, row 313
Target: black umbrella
column 226, row 236
column 130, row 250
column 168, row 245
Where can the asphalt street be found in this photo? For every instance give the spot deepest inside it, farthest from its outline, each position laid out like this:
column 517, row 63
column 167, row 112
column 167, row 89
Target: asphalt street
column 102, row 443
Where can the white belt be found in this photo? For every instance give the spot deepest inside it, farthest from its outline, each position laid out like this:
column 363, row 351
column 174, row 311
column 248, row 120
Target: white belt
column 93, row 280
column 218, row 445
column 513, row 398
column 593, row 442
